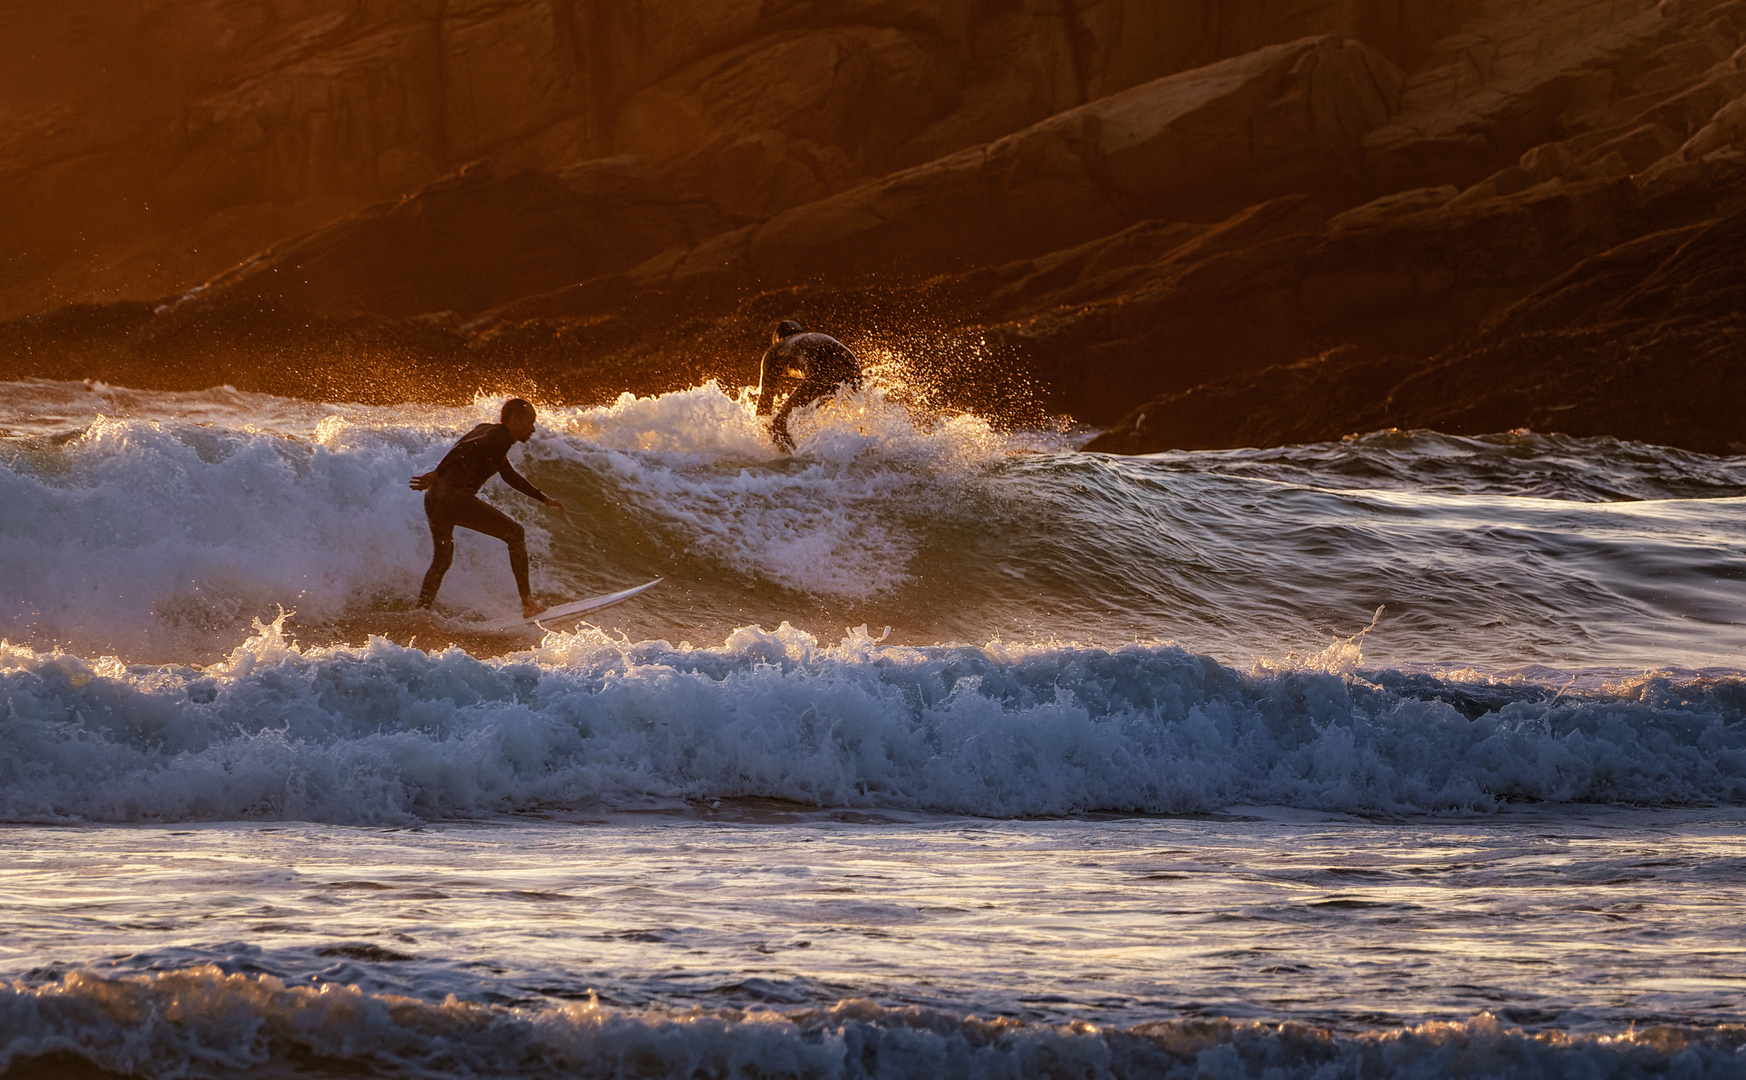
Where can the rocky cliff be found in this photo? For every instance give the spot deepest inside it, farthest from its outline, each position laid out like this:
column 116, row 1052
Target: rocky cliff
column 145, row 147
column 1196, row 223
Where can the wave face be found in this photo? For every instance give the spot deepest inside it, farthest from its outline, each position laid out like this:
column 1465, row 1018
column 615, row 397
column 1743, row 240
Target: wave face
column 205, row 1021
column 157, row 526
column 389, row 734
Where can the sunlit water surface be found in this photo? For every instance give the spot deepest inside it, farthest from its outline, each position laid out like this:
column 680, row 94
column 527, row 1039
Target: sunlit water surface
column 941, row 752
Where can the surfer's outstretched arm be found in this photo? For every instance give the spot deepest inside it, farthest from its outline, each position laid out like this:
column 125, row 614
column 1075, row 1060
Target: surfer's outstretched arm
column 521, row 484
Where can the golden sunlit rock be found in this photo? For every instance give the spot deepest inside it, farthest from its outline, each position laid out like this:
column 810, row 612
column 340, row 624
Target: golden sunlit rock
column 1118, row 201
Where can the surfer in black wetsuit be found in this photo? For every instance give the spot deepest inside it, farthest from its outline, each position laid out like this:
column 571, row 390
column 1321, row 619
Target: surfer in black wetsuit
column 819, row 361
column 451, row 498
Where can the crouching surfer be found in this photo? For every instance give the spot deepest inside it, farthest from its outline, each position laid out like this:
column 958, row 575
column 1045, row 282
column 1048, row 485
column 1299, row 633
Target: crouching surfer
column 451, row 498
column 819, row 361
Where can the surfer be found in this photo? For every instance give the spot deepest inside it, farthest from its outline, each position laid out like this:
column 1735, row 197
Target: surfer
column 819, row 361
column 451, row 498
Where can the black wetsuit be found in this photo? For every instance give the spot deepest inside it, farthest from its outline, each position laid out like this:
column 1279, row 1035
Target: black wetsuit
column 826, row 363
column 452, row 500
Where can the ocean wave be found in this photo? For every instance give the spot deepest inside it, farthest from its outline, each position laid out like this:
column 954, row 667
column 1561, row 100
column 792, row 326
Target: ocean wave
column 1513, row 463
column 162, row 537
column 156, row 527
column 390, row 734
column 840, row 519
column 162, row 532
column 202, row 1021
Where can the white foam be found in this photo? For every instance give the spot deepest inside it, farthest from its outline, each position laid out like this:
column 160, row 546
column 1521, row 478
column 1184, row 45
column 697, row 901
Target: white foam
column 839, row 518
column 160, row 537
column 160, row 533
column 391, row 734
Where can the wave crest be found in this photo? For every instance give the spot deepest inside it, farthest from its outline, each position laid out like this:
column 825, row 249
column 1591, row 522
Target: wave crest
column 202, row 1021
column 386, row 733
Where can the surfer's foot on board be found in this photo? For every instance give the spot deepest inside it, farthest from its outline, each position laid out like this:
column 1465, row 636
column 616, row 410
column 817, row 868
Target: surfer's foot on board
column 531, row 607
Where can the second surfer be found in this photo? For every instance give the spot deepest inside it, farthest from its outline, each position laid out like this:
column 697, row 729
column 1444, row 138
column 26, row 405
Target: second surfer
column 821, row 362
column 451, row 499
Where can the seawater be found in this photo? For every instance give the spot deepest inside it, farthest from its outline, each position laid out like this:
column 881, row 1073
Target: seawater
column 942, row 751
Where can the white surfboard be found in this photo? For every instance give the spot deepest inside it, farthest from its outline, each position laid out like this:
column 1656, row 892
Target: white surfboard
column 570, row 612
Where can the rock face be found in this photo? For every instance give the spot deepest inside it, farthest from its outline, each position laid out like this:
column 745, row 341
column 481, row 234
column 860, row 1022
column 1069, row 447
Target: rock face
column 1198, row 224
column 1646, row 338
column 1284, row 118
column 144, row 148
column 1381, row 303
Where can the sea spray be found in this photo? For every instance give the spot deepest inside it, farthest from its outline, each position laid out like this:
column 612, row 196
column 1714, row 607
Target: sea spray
column 160, row 535
column 842, row 518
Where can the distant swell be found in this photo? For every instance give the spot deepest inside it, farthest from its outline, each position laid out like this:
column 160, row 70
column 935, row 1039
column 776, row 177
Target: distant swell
column 201, row 1021
column 387, row 734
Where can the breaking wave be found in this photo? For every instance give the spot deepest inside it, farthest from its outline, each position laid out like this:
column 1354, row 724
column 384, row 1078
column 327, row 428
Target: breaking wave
column 202, row 1021
column 158, row 525
column 389, row 734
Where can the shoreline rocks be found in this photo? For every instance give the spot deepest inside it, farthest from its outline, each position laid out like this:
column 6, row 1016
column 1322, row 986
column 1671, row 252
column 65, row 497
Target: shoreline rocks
column 1193, row 235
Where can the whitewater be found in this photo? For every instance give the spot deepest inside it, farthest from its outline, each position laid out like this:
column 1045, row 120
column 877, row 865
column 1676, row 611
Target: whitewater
column 942, row 750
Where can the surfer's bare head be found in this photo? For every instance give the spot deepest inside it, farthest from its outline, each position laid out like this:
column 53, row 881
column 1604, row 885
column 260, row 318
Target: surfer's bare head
column 518, row 417
column 785, row 329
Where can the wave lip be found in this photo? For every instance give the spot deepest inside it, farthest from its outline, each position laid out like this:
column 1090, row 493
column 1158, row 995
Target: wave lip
column 385, row 733
column 202, row 1021
column 156, row 526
